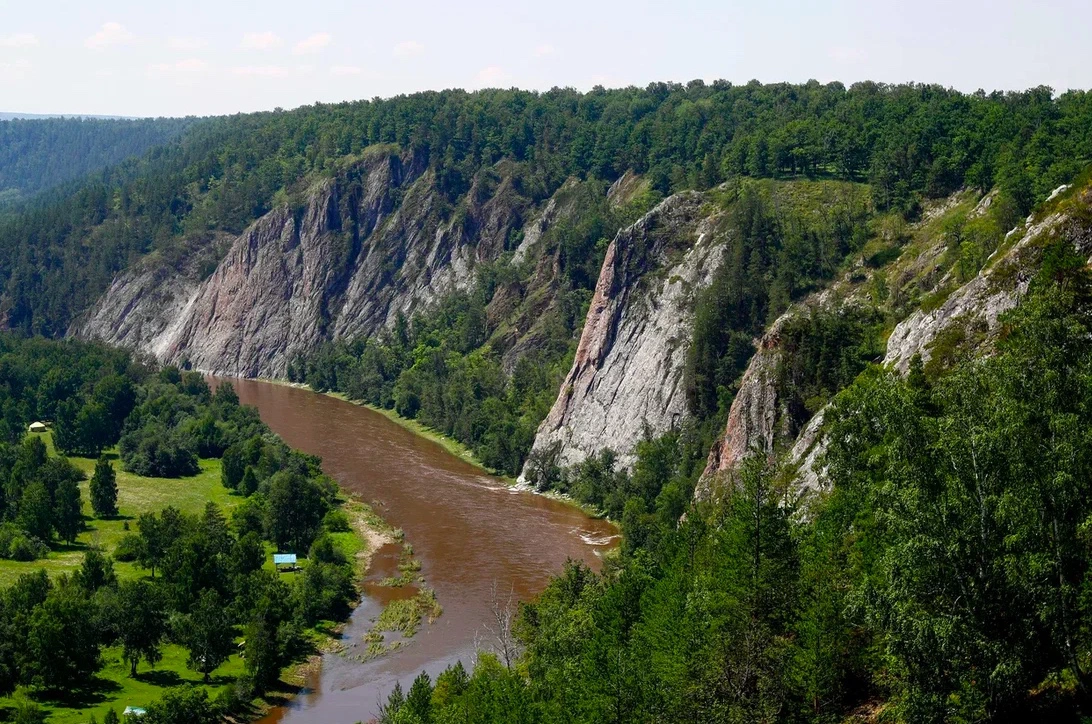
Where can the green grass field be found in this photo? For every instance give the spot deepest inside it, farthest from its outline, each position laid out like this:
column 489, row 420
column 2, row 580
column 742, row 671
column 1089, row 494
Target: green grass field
column 136, row 495
column 113, row 687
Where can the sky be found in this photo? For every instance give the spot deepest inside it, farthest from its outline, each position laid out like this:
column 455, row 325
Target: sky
column 202, row 57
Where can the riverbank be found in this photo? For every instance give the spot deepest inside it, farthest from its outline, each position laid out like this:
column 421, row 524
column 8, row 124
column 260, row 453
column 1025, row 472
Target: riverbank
column 368, row 533
column 449, row 444
column 470, row 534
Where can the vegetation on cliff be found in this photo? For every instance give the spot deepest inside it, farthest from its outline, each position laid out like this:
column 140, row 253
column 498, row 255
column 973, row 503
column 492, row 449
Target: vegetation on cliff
column 942, row 578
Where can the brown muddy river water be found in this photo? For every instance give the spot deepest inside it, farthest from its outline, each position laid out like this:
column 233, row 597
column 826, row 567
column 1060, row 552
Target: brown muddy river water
column 467, row 528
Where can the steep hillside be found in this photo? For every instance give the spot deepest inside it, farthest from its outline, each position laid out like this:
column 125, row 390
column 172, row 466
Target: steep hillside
column 376, row 243
column 40, row 153
column 937, row 313
column 626, row 380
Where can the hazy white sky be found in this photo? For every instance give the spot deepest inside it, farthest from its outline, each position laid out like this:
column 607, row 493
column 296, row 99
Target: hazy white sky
column 147, row 57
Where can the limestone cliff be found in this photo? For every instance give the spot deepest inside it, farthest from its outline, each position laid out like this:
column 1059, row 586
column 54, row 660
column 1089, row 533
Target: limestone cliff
column 626, row 379
column 964, row 321
column 376, row 240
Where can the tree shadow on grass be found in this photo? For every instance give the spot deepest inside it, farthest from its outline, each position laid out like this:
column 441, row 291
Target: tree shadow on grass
column 160, row 677
column 93, row 692
column 62, row 547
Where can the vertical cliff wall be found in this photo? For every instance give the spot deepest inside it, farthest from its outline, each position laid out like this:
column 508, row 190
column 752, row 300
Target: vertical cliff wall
column 627, row 377
column 375, row 241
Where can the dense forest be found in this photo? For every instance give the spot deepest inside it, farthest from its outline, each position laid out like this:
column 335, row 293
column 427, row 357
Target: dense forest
column 38, row 154
column 204, row 582
column 944, row 578
column 908, row 142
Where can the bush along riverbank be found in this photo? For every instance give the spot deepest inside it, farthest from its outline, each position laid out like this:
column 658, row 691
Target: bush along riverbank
column 141, row 566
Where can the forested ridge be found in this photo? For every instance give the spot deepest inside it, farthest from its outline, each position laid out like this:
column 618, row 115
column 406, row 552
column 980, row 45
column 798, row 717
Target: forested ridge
column 908, row 142
column 39, row 154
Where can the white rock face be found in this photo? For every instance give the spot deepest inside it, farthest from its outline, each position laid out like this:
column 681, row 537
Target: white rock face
column 368, row 245
column 807, row 452
column 980, row 301
column 627, row 377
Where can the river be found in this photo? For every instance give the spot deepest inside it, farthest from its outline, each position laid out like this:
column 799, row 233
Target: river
column 469, row 530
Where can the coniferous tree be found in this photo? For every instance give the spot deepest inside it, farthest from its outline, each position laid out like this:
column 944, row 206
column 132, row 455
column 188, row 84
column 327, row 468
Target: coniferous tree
column 67, row 511
column 104, row 489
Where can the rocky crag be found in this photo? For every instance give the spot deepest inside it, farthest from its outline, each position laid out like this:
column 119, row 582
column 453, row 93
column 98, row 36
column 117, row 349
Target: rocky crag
column 626, row 380
column 376, row 241
column 952, row 321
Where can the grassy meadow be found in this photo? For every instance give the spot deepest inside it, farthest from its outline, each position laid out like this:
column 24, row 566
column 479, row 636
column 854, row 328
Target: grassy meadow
column 136, row 495
column 113, row 687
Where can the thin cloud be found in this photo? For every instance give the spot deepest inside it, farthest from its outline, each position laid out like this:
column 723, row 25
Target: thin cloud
column 186, row 43
column 312, row 43
column 346, row 70
column 492, row 77
column 188, row 66
column 15, row 70
column 260, row 71
column 19, row 40
column 544, row 50
column 847, row 55
column 261, row 41
column 408, row 49
column 110, row 34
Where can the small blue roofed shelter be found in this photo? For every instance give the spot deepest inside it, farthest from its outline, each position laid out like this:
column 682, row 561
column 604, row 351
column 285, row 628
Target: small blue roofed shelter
column 284, row 561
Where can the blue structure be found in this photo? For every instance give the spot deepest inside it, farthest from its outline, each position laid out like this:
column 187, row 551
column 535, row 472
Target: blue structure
column 284, row 559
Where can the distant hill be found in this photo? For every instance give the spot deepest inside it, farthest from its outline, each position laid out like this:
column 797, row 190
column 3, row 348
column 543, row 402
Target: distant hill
column 5, row 116
column 39, row 152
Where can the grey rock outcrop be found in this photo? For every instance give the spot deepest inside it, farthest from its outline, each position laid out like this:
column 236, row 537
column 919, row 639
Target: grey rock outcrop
column 376, row 241
column 627, row 377
column 977, row 305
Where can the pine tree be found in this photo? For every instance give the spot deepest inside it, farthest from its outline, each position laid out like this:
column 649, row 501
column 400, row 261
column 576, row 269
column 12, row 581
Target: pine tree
column 104, row 489
column 67, row 511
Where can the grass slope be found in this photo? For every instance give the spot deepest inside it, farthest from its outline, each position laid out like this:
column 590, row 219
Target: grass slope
column 136, row 495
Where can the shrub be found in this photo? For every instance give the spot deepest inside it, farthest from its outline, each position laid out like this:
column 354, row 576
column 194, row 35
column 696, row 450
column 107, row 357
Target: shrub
column 336, row 521
column 26, row 548
column 18, row 545
column 128, row 548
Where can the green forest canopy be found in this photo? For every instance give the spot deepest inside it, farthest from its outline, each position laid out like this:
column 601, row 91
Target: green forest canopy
column 908, row 142
column 38, row 154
